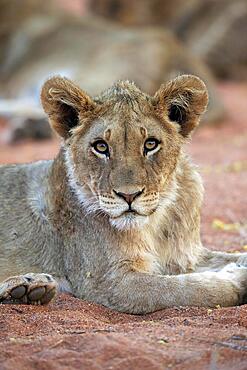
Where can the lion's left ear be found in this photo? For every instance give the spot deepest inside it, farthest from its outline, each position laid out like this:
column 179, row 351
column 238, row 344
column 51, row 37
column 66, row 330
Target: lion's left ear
column 183, row 101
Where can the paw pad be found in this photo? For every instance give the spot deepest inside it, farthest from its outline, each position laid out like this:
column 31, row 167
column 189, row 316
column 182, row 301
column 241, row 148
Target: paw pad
column 30, row 289
column 36, row 294
column 18, row 292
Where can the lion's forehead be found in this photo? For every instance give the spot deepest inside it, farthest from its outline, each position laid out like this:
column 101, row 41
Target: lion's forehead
column 126, row 127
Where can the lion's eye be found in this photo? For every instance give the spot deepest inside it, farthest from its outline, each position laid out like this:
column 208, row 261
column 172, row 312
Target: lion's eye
column 150, row 145
column 101, row 147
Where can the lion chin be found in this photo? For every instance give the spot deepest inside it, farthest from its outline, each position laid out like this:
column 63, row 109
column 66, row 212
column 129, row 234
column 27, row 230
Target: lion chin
column 128, row 221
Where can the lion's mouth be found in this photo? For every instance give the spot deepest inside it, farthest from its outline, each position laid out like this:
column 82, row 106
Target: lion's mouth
column 132, row 212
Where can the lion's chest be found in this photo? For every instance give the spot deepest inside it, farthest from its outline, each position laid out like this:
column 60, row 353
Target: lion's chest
column 159, row 256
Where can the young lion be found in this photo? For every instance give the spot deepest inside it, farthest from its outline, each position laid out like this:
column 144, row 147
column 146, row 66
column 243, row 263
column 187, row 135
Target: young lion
column 115, row 218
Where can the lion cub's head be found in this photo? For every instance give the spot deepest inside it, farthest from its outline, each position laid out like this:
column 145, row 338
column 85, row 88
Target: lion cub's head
column 122, row 148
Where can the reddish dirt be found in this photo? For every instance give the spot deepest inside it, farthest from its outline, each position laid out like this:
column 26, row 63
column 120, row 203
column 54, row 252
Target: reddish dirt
column 73, row 334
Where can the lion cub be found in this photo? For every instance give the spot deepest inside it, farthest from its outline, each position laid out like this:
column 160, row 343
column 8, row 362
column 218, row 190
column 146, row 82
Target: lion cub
column 115, row 218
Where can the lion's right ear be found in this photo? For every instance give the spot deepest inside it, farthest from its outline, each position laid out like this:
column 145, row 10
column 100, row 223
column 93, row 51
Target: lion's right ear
column 64, row 103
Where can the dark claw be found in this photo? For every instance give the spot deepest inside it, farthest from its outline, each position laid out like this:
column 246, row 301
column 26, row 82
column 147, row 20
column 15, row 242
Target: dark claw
column 48, row 278
column 28, row 279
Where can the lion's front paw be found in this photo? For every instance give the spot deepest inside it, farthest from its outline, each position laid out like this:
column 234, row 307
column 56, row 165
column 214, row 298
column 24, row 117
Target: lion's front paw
column 28, row 289
column 237, row 274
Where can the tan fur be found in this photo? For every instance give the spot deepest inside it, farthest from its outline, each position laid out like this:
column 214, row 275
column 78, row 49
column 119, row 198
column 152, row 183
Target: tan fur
column 68, row 217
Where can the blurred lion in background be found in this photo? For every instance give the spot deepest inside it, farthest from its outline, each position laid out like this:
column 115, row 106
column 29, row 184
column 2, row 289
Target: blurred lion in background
column 214, row 30
column 39, row 39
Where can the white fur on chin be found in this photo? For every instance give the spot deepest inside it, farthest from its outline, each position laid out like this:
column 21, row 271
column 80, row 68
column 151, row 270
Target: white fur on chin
column 129, row 221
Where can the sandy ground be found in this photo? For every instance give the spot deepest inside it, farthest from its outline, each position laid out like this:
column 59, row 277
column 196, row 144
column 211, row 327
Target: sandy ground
column 72, row 334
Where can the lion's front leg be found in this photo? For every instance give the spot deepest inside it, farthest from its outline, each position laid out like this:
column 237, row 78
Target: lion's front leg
column 30, row 288
column 138, row 293
column 215, row 261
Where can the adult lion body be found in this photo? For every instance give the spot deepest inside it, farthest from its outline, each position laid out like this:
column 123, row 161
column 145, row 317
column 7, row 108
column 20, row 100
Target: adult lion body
column 115, row 218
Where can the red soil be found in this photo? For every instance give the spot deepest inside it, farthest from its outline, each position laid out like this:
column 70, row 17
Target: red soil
column 73, row 334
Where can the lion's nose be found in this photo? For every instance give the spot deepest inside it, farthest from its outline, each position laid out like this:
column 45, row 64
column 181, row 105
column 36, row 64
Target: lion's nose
column 129, row 198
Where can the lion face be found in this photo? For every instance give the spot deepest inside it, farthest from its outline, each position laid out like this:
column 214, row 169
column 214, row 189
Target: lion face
column 123, row 162
column 122, row 148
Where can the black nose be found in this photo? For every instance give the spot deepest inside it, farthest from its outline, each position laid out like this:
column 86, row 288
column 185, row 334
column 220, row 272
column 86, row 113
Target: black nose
column 129, row 198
